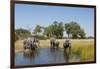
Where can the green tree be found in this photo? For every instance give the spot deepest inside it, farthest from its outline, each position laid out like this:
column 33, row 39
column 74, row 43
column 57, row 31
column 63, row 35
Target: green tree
column 74, row 29
column 37, row 29
column 55, row 29
column 22, row 33
column 68, row 29
column 82, row 33
column 16, row 37
column 48, row 31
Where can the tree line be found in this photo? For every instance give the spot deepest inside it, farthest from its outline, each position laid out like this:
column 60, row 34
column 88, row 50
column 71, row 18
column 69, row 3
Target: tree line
column 72, row 29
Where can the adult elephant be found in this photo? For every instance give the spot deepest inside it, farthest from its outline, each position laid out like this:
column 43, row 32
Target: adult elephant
column 54, row 43
column 67, row 45
column 31, row 43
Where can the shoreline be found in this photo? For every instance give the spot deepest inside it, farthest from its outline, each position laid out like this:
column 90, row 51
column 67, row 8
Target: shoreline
column 46, row 43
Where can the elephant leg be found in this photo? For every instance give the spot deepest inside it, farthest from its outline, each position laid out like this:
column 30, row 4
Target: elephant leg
column 24, row 47
column 65, row 50
column 57, row 45
column 52, row 44
column 69, row 49
column 31, row 46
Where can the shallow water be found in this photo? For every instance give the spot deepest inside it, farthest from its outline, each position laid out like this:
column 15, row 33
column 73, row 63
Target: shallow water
column 44, row 56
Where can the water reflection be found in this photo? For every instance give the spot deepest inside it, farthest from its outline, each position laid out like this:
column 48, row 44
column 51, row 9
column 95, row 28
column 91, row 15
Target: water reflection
column 59, row 55
column 53, row 50
column 42, row 56
column 66, row 55
column 29, row 54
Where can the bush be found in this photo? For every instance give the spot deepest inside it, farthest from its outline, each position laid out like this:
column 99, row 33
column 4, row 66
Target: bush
column 22, row 33
column 16, row 37
column 41, row 37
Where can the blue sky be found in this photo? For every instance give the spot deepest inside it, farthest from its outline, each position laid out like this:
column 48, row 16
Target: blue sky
column 28, row 16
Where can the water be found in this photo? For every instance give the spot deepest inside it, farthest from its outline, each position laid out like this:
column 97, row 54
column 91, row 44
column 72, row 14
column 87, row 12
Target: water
column 44, row 56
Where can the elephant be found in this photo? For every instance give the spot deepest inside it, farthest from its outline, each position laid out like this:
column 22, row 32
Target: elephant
column 31, row 43
column 67, row 45
column 54, row 43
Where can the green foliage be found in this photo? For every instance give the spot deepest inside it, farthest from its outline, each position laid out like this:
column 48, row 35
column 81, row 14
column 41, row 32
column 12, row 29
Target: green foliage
column 48, row 31
column 86, row 53
column 22, row 33
column 90, row 37
column 37, row 29
column 40, row 37
column 68, row 28
column 16, row 37
column 82, row 33
column 74, row 30
column 56, row 29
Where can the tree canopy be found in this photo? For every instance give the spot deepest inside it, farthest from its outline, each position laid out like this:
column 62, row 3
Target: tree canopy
column 56, row 29
column 22, row 33
column 37, row 29
column 74, row 29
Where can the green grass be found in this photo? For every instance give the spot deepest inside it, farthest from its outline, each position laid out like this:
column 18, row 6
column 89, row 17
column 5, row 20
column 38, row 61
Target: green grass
column 84, row 49
column 86, row 53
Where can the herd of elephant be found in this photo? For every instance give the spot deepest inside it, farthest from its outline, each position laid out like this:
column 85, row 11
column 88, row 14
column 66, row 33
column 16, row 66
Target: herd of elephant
column 33, row 43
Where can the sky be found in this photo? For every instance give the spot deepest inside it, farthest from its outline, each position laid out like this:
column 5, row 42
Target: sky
column 28, row 16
